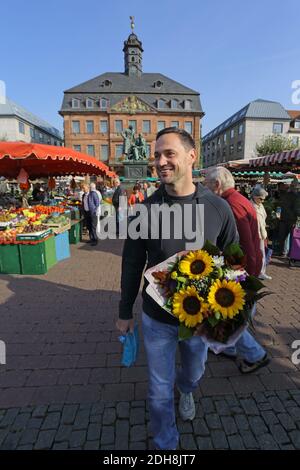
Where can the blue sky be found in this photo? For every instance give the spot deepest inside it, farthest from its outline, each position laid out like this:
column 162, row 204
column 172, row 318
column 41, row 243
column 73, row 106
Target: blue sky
column 230, row 51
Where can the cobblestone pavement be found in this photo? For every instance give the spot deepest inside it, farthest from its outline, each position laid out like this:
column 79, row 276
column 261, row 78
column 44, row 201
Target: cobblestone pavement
column 63, row 388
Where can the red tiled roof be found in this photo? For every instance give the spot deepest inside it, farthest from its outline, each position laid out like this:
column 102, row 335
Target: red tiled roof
column 294, row 113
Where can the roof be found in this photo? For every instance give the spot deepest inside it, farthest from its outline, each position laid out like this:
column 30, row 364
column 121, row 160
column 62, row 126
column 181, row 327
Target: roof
column 258, row 109
column 280, row 158
column 115, row 86
column 10, row 108
column 294, row 114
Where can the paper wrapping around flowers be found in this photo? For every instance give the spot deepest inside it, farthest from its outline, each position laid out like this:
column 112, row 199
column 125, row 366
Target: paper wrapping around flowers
column 156, row 292
column 154, row 289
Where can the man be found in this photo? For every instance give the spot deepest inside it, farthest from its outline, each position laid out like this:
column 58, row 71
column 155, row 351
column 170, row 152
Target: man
column 289, row 201
column 116, row 202
column 87, row 220
column 220, row 181
column 94, row 200
column 175, row 155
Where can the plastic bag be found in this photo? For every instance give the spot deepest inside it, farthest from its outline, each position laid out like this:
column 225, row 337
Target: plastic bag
column 130, row 343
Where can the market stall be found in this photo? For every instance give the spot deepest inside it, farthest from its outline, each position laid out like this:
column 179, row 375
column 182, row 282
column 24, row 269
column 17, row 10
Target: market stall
column 33, row 239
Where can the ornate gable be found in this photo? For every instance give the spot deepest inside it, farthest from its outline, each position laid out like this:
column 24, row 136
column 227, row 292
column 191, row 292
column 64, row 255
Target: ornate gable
column 132, row 105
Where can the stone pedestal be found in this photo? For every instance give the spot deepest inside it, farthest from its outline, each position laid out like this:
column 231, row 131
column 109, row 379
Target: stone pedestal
column 135, row 170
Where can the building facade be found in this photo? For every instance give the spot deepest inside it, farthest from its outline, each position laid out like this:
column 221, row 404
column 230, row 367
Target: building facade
column 237, row 137
column 98, row 111
column 18, row 124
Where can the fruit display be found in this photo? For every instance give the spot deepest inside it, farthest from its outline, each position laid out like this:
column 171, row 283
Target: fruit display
column 58, row 220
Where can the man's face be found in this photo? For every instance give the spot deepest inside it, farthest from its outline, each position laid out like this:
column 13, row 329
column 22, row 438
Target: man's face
column 172, row 160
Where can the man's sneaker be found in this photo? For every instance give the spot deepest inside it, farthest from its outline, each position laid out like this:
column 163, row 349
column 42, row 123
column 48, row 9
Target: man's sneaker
column 246, row 367
column 187, row 409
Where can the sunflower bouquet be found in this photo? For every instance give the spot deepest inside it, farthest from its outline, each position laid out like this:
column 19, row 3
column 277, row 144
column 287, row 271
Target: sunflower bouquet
column 209, row 292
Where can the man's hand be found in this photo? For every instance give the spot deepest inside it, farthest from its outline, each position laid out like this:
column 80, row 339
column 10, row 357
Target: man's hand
column 125, row 325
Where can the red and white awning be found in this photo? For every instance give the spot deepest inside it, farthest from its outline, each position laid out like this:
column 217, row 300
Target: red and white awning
column 276, row 158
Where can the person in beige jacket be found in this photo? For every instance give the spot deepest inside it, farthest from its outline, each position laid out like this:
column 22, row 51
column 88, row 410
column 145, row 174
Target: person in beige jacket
column 258, row 196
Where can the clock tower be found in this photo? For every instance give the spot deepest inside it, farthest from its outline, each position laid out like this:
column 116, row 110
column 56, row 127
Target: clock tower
column 133, row 54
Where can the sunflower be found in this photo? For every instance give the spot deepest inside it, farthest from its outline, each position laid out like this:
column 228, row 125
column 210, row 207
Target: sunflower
column 196, row 264
column 188, row 306
column 226, row 297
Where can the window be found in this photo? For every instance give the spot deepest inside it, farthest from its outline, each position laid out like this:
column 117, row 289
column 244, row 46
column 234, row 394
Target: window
column 91, row 150
column 103, row 103
column 187, row 104
column 118, row 151
column 148, row 150
column 160, row 125
column 188, row 126
column 224, row 151
column 208, row 146
column 75, row 127
column 90, row 127
column 175, row 124
column 104, row 127
column 297, row 125
column 41, row 138
column 75, row 103
column 118, row 126
column 231, row 149
column 133, row 125
column 224, row 138
column 89, row 103
column 21, row 127
column 295, row 140
column 232, row 133
column 241, row 128
column 104, row 152
column 239, row 146
column 218, row 142
column 160, row 104
column 174, row 104
column 77, row 148
column 32, row 133
column 146, row 127
column 277, row 128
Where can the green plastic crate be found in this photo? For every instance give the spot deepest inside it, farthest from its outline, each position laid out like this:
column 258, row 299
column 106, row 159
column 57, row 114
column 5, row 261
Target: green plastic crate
column 37, row 259
column 75, row 233
column 10, row 259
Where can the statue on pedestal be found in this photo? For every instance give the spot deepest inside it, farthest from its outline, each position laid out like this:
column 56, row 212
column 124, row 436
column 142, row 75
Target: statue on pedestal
column 134, row 149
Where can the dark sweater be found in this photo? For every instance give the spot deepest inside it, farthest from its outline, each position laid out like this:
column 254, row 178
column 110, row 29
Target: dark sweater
column 219, row 228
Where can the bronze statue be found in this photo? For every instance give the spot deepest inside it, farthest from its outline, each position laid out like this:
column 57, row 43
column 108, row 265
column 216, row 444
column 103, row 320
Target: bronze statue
column 134, row 148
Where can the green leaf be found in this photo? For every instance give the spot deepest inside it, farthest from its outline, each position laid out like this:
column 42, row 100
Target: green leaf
column 252, row 283
column 181, row 279
column 233, row 249
column 184, row 332
column 211, row 249
column 213, row 321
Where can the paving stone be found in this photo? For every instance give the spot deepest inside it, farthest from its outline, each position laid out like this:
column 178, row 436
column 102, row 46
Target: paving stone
column 94, row 431
column 63, row 433
column 138, row 446
column 53, row 408
column 259, row 397
column 45, row 440
column 9, row 417
column 40, row 411
column 20, row 422
column 269, row 417
column 257, row 425
column 69, row 414
column 184, row 427
column 187, row 442
column 107, row 436
column 213, row 421
column 122, row 435
column 267, row 442
column 97, row 408
column 279, row 434
column 295, row 438
column 34, row 423
column 81, row 420
column 264, row 406
column 25, row 447
column 229, row 425
column 91, row 445
column 207, row 405
column 249, row 440
column 109, row 416
column 11, row 441
column 286, row 447
column 77, row 439
column 29, row 436
column 222, row 407
column 123, row 410
column 52, row 421
column 286, row 421
column 138, row 433
column 204, row 443
column 294, row 412
column 137, row 416
column 60, row 446
column 200, row 428
column 235, row 442
column 249, row 406
column 219, row 439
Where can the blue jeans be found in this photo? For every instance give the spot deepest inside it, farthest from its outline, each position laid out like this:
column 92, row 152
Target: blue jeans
column 160, row 340
column 247, row 348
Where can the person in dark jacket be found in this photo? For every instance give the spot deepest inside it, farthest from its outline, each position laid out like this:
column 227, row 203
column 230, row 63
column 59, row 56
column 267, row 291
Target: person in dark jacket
column 220, row 181
column 116, row 202
column 93, row 200
column 289, row 202
column 87, row 220
column 175, row 155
